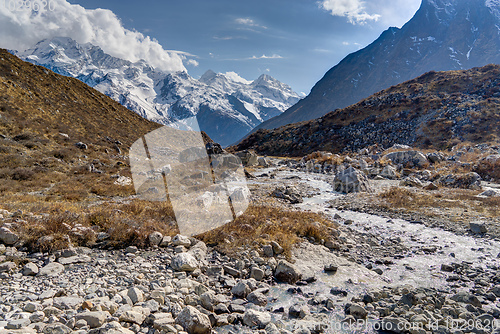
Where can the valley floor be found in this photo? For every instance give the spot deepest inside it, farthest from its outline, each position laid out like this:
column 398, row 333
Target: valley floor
column 379, row 265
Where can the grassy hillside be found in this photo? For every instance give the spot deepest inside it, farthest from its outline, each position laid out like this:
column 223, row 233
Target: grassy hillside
column 54, row 194
column 42, row 116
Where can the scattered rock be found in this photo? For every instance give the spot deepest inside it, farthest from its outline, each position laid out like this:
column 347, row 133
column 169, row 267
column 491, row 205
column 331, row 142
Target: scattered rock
column 257, row 319
column 193, row 321
column 7, row 236
column 287, row 272
column 7, row 266
column 277, row 249
column 411, row 181
column 478, row 227
column 287, row 193
column 465, row 181
column 431, row 186
column 135, row 295
column 351, row 180
column 388, row 172
column 93, row 319
column 258, row 298
column 416, row 158
column 358, row 311
column 184, row 262
column 240, row 290
column 331, row 268
column 181, row 240
column 257, row 273
column 51, row 269
column 489, row 193
column 155, row 238
column 81, row 145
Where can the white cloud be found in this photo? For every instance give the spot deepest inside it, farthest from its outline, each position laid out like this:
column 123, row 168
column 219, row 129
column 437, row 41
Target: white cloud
column 249, row 23
column 21, row 29
column 192, row 62
column 353, row 10
column 320, row 50
column 394, row 13
column 274, row 56
column 228, row 38
column 237, row 78
column 353, row 43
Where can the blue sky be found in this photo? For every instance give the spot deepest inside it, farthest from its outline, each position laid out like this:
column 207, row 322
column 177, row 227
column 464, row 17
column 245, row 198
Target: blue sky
column 295, row 41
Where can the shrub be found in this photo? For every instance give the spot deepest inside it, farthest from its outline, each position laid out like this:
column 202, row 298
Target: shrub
column 23, row 137
column 489, row 169
column 5, row 149
column 22, row 174
column 63, row 153
column 284, row 227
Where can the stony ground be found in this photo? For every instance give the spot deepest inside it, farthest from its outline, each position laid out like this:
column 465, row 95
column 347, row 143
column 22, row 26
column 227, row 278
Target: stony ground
column 179, row 285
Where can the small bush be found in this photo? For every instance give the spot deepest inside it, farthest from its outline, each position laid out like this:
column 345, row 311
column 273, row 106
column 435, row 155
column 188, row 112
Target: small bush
column 284, row 227
column 24, row 137
column 5, row 149
column 22, row 174
column 489, row 169
column 31, row 144
column 63, row 153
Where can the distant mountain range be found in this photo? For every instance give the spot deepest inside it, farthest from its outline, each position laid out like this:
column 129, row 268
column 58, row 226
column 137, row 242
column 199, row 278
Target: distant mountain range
column 443, row 35
column 435, row 110
column 227, row 106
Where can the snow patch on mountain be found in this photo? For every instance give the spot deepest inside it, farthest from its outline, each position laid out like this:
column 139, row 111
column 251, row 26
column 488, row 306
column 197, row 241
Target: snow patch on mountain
column 494, row 6
column 168, row 97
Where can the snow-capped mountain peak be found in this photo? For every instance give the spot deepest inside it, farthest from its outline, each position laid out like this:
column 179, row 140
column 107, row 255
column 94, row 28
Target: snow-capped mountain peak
column 442, row 35
column 227, row 105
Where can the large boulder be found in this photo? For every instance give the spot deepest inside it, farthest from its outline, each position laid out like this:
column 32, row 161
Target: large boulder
column 388, row 172
column 411, row 181
column 351, row 180
column 435, row 157
column 7, row 236
column 248, row 158
column 94, row 319
column 52, row 269
column 478, row 227
column 416, row 158
column 214, row 148
column 193, row 321
column 287, row 272
column 184, row 262
column 462, row 180
column 257, row 319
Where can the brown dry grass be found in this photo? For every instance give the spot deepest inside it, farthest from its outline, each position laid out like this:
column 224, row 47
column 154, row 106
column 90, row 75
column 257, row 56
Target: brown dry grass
column 263, row 224
column 127, row 222
column 49, row 226
column 418, row 200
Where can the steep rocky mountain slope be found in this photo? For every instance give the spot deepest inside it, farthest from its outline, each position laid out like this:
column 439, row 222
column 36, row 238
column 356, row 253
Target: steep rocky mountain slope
column 43, row 116
column 226, row 105
column 443, row 35
column 437, row 109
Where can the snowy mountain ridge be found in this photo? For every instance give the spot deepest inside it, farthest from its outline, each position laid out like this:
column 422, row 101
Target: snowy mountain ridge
column 443, row 35
column 220, row 101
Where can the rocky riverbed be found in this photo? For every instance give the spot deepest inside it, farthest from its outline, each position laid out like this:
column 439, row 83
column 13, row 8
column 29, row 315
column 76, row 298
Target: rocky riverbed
column 376, row 274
